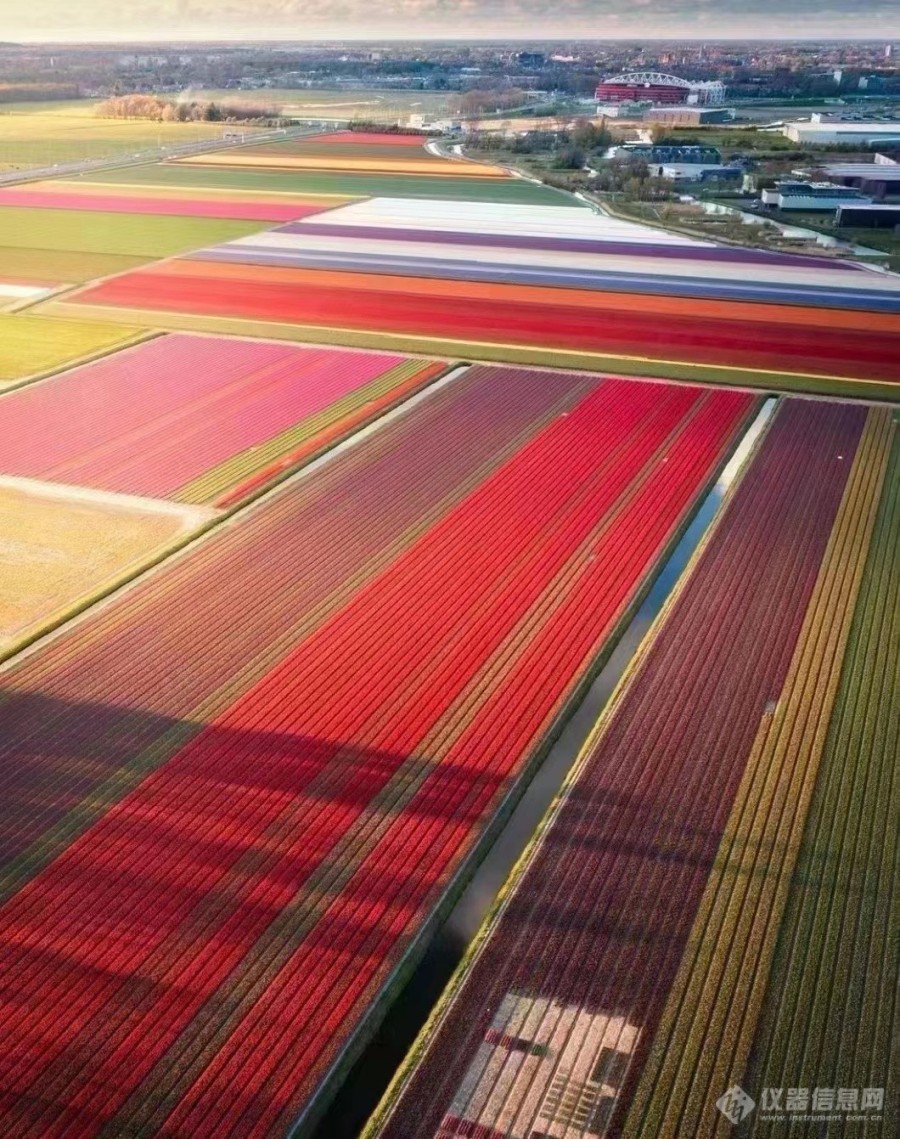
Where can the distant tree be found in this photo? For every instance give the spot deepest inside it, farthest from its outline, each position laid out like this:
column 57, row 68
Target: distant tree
column 480, row 102
column 31, row 92
column 569, row 157
column 590, row 136
column 155, row 108
column 150, row 107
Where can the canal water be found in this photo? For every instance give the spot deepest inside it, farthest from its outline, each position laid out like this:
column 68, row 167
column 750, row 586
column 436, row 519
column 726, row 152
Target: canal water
column 370, row 1076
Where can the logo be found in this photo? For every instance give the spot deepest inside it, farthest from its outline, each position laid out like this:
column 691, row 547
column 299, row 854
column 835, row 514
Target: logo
column 735, row 1104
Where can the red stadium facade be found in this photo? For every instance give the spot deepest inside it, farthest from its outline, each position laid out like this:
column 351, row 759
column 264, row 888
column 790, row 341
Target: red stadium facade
column 658, row 93
column 660, row 89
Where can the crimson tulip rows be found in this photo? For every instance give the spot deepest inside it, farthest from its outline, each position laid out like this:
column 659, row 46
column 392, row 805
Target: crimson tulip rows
column 242, row 874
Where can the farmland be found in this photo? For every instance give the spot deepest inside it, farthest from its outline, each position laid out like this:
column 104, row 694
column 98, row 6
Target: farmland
column 51, row 135
column 313, row 541
column 836, row 962
column 455, row 277
column 338, row 106
column 449, row 315
column 600, row 994
column 59, row 547
column 744, row 898
column 13, row 293
column 73, row 245
column 83, row 231
column 55, row 266
column 490, row 189
column 364, row 798
column 34, row 345
column 350, row 152
column 82, row 195
column 197, row 418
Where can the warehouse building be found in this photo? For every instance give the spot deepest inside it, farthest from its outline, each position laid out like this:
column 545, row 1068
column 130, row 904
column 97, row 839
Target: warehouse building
column 811, row 196
column 667, row 155
column 690, row 116
column 869, row 216
column 697, row 172
column 878, row 180
column 826, row 133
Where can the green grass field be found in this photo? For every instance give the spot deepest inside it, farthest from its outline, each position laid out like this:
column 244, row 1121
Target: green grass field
column 731, row 140
column 42, row 134
column 50, row 106
column 73, row 246
column 58, row 266
column 329, row 105
column 511, row 190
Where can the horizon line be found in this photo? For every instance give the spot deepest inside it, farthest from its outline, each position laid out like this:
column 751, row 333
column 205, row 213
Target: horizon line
column 265, row 40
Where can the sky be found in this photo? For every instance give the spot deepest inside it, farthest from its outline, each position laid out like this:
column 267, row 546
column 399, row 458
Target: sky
column 58, row 20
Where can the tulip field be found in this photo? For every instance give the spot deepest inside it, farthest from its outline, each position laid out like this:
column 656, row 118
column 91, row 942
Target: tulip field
column 75, row 245
column 617, row 988
column 353, row 495
column 354, row 184
column 347, row 152
column 198, row 419
column 833, row 926
column 86, row 196
column 13, row 293
column 291, row 777
column 468, row 278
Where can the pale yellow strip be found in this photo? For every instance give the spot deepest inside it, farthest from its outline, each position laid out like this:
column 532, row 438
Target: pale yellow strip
column 189, row 193
column 708, row 1025
column 427, row 167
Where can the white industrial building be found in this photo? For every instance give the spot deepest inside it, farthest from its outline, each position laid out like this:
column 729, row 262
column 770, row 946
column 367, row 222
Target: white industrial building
column 824, row 133
column 696, row 171
column 810, row 196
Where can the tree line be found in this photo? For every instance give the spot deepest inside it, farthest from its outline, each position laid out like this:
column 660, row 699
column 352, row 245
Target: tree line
column 158, row 109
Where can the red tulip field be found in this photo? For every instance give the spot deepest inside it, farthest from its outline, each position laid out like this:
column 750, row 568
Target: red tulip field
column 450, row 315
column 288, row 783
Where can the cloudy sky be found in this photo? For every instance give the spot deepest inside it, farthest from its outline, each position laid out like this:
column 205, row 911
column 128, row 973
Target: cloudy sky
column 299, row 19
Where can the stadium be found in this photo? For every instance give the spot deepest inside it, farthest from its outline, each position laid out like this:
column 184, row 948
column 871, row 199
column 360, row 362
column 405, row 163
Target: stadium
column 660, row 89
